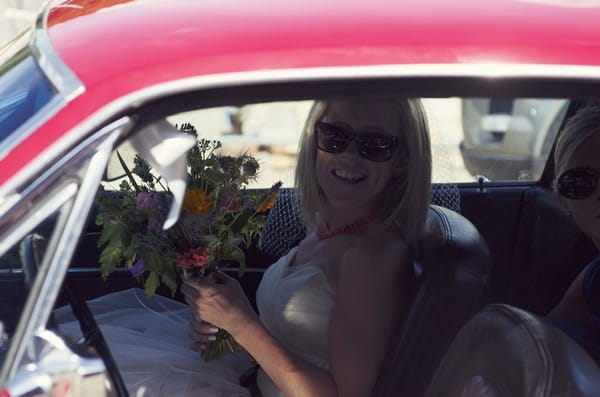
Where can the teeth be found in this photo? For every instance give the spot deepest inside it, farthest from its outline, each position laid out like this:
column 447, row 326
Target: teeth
column 348, row 175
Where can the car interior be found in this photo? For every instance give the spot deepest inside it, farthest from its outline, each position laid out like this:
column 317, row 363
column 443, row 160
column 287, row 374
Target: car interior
column 505, row 242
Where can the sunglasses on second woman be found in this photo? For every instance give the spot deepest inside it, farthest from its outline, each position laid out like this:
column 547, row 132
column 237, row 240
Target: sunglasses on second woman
column 333, row 138
column 578, row 183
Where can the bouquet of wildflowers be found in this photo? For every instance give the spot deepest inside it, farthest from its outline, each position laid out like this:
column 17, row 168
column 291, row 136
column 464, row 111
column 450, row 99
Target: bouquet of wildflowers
column 218, row 219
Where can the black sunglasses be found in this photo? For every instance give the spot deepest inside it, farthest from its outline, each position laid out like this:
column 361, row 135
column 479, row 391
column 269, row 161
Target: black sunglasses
column 578, row 183
column 332, row 138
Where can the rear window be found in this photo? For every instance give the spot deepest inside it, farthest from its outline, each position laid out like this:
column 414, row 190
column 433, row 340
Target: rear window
column 24, row 89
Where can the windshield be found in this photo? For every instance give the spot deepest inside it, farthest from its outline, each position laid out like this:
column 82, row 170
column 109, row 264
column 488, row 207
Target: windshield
column 24, row 89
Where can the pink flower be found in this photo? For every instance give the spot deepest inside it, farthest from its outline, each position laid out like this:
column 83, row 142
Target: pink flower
column 194, row 257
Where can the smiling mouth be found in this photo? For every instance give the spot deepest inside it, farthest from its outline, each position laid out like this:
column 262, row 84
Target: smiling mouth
column 348, row 176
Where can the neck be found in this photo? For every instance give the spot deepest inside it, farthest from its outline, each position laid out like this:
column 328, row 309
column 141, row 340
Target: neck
column 351, row 222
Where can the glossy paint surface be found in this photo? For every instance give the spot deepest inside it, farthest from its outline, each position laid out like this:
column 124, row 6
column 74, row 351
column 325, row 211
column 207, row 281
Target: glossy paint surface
column 118, row 47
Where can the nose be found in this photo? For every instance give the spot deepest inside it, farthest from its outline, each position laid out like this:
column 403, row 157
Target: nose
column 352, row 150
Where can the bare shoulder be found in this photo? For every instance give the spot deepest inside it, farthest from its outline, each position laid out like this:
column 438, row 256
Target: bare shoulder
column 381, row 256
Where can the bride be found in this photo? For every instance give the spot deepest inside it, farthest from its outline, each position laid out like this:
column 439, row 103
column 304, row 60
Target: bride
column 329, row 307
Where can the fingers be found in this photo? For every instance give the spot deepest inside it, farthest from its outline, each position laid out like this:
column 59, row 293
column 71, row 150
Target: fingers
column 194, row 289
column 198, row 294
column 203, row 327
column 201, row 333
column 198, row 347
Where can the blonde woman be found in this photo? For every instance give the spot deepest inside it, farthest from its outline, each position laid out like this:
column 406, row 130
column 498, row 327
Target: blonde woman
column 578, row 169
column 329, row 308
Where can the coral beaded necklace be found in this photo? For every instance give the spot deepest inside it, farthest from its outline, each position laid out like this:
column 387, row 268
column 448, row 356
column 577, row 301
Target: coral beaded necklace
column 348, row 227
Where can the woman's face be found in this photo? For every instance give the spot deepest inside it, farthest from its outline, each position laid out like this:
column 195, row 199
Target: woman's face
column 349, row 180
column 586, row 212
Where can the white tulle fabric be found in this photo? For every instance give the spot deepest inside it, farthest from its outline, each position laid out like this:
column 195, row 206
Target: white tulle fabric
column 150, row 344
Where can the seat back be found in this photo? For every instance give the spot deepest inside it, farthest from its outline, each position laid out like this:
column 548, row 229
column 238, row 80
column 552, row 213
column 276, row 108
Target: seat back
column 453, row 269
column 505, row 351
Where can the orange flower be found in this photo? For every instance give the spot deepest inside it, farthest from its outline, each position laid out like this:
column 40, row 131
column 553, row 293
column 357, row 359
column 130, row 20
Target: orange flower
column 268, row 203
column 196, row 201
column 194, row 257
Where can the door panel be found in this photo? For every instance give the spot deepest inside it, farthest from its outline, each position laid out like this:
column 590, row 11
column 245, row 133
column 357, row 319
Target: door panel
column 536, row 248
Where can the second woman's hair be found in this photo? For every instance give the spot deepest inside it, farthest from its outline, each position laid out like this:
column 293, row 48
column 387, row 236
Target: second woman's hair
column 584, row 124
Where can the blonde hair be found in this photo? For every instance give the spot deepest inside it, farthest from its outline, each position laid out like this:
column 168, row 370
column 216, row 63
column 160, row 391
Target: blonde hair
column 406, row 205
column 584, row 124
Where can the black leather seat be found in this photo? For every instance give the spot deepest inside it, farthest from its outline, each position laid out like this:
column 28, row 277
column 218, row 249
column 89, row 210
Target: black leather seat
column 508, row 352
column 454, row 266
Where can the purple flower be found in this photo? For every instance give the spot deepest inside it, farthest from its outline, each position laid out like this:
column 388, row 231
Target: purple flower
column 138, row 268
column 147, row 201
column 155, row 207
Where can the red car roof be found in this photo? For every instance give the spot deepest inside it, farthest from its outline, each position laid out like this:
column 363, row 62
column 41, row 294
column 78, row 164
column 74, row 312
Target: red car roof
column 105, row 39
column 116, row 47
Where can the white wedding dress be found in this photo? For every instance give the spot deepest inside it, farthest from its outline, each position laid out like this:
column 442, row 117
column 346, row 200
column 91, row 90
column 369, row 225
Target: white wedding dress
column 150, row 344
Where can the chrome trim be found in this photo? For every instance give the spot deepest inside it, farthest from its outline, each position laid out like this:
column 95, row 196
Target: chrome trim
column 60, row 250
column 46, row 209
column 298, row 75
column 46, row 177
column 8, row 202
column 67, row 84
column 11, row 271
column 60, row 76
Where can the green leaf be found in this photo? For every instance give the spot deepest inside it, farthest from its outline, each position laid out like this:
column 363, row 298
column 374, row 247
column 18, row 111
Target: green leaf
column 236, row 254
column 170, row 281
column 113, row 233
column 116, row 237
column 109, row 260
column 240, row 221
column 128, row 172
column 211, row 240
column 154, row 261
column 151, row 285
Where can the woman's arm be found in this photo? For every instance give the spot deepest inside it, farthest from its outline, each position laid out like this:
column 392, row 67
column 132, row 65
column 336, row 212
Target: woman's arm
column 226, row 306
column 369, row 294
column 371, row 299
column 573, row 306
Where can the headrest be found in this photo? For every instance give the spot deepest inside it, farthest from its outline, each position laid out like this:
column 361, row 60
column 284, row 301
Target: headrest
column 284, row 229
column 449, row 235
column 505, row 351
